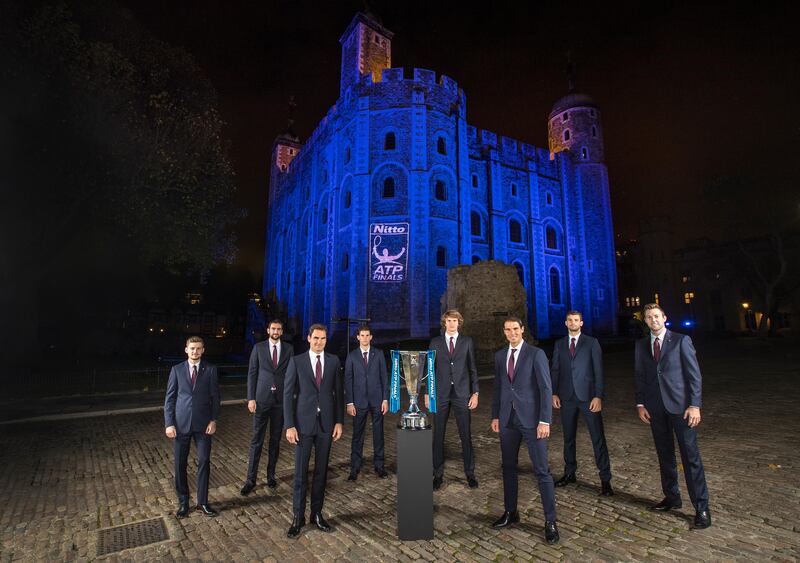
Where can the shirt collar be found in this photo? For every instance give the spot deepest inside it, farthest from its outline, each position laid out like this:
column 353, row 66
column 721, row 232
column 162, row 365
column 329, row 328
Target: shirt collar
column 660, row 335
column 363, row 351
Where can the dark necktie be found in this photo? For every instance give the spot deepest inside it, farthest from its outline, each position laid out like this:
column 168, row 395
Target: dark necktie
column 366, row 360
column 275, row 355
column 511, row 365
column 656, row 350
column 452, row 347
column 572, row 347
column 318, row 371
column 194, row 375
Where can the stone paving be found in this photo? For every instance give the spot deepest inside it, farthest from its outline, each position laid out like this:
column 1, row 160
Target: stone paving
column 63, row 481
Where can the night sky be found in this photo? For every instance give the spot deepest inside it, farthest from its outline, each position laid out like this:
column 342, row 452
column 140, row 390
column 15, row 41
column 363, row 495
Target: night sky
column 687, row 93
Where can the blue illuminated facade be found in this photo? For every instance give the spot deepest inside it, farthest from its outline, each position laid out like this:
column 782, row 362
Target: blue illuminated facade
column 394, row 187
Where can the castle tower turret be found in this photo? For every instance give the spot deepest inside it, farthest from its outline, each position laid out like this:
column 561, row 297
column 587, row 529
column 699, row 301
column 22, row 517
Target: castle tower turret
column 366, row 49
column 574, row 126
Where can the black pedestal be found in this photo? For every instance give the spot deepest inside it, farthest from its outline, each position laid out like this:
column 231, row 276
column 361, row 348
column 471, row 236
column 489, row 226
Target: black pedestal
column 414, row 484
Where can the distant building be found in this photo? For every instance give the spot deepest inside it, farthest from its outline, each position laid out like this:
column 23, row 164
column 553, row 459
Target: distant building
column 394, row 187
column 705, row 286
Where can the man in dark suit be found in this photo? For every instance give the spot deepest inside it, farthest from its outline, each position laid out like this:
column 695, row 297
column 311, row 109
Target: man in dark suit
column 366, row 391
column 577, row 374
column 313, row 409
column 268, row 363
column 191, row 409
column 457, row 389
column 668, row 398
column 521, row 410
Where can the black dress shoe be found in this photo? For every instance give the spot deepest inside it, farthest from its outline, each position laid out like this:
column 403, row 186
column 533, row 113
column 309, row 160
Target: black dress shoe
column 472, row 482
column 437, row 483
column 247, row 488
column 207, row 510
column 381, row 472
column 506, row 519
column 702, row 520
column 565, row 480
column 353, row 475
column 297, row 525
column 666, row 505
column 271, row 482
column 605, row 489
column 551, row 532
column 320, row 523
column 183, row 510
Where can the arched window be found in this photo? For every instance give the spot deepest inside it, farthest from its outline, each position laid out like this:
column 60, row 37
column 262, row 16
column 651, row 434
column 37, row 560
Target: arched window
column 324, row 216
column 475, row 224
column 345, row 261
column 347, row 155
column 388, row 188
column 565, row 116
column 514, row 231
column 594, row 131
column 322, row 270
column 513, row 189
column 549, row 198
column 520, row 272
column 474, row 180
column 441, row 257
column 441, row 190
column 555, row 286
column 389, row 141
column 584, row 153
column 551, row 238
column 566, row 135
column 441, row 146
column 348, row 199
column 476, row 259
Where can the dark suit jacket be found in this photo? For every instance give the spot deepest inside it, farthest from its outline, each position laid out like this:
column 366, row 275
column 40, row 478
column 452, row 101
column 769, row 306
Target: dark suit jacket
column 262, row 374
column 302, row 400
column 190, row 410
column 461, row 368
column 585, row 370
column 365, row 386
column 677, row 374
column 530, row 394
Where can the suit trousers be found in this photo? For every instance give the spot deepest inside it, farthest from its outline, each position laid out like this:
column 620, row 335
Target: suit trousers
column 357, row 445
column 321, row 443
column 663, row 424
column 511, row 437
column 462, row 414
column 594, row 422
column 202, row 442
column 263, row 417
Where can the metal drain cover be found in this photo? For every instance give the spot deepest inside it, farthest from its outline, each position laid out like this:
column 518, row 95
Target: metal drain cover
column 127, row 536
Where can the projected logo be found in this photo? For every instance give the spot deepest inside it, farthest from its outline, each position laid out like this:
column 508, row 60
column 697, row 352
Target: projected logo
column 388, row 244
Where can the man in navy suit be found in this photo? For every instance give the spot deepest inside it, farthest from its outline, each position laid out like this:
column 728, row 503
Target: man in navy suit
column 313, row 409
column 457, row 389
column 191, row 409
column 366, row 391
column 668, row 398
column 577, row 374
column 521, row 410
column 268, row 363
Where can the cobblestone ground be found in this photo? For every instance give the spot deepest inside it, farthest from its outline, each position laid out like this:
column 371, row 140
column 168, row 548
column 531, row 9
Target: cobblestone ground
column 62, row 482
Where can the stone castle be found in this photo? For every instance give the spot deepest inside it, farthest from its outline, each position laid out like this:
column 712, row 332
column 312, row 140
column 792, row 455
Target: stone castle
column 394, row 187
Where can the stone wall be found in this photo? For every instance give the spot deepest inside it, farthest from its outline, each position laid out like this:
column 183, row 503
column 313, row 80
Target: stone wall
column 485, row 294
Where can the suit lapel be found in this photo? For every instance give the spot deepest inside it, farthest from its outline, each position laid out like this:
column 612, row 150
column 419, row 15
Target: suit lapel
column 666, row 345
column 522, row 356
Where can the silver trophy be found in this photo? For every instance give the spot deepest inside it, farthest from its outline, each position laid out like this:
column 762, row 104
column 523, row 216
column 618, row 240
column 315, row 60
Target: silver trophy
column 414, row 372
